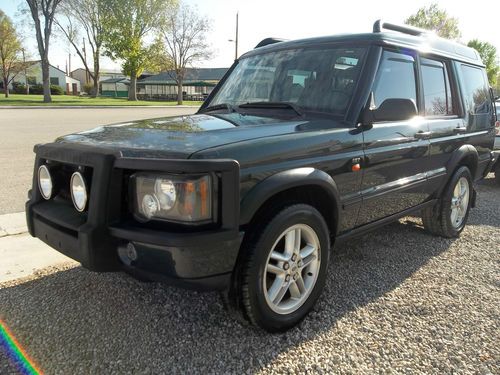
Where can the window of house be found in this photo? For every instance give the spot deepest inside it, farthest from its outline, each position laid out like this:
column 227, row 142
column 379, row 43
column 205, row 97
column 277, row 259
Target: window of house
column 437, row 94
column 54, row 81
column 31, row 80
column 395, row 78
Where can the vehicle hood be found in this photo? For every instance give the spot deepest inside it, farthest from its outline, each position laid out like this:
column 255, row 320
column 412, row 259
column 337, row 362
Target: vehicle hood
column 179, row 137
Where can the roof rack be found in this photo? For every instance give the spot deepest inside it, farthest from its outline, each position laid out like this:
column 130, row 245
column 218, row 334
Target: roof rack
column 379, row 25
column 267, row 41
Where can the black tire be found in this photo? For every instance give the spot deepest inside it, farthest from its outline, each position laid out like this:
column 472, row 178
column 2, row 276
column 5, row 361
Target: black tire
column 496, row 170
column 248, row 291
column 437, row 219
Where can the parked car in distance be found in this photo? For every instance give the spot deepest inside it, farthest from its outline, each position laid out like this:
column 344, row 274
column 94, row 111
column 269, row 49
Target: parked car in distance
column 302, row 144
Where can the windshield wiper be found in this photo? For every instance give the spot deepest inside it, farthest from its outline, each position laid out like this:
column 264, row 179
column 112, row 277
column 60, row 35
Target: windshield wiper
column 218, row 107
column 273, row 105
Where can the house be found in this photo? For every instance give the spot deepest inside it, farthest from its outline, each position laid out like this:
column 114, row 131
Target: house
column 115, row 87
column 197, row 84
column 104, row 74
column 57, row 77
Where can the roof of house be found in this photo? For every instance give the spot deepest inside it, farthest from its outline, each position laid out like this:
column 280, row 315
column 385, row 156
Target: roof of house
column 39, row 61
column 192, row 75
column 116, row 80
column 101, row 71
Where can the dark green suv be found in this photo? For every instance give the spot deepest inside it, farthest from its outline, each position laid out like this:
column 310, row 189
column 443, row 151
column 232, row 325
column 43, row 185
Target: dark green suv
column 302, row 144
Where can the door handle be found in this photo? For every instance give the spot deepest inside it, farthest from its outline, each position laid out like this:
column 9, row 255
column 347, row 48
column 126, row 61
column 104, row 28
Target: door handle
column 460, row 130
column 423, row 135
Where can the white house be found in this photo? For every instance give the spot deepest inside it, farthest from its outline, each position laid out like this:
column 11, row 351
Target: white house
column 57, row 77
column 104, row 74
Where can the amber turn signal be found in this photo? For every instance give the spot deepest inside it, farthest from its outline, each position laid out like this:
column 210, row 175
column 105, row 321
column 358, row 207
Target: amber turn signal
column 356, row 167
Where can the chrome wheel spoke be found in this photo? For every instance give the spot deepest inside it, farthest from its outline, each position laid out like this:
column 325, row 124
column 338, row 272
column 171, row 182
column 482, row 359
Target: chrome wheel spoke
column 306, row 251
column 271, row 268
column 294, row 291
column 278, row 290
column 300, row 284
column 280, row 257
column 307, row 261
column 459, row 202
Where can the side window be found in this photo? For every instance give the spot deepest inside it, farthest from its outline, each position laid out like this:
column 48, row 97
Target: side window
column 54, row 81
column 395, row 78
column 477, row 96
column 438, row 100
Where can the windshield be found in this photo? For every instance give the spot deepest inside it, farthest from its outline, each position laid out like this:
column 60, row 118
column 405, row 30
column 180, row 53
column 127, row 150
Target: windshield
column 313, row 79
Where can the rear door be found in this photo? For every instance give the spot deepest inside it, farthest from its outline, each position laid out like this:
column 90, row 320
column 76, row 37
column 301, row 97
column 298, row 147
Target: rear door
column 479, row 115
column 441, row 110
column 396, row 152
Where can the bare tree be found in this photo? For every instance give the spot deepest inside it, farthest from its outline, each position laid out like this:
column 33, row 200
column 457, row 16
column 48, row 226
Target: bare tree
column 184, row 36
column 44, row 11
column 84, row 16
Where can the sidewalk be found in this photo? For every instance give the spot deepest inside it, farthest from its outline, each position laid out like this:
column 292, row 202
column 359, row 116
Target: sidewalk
column 20, row 254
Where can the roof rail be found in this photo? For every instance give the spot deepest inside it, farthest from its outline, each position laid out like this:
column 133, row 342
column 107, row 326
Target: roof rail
column 379, row 25
column 267, row 41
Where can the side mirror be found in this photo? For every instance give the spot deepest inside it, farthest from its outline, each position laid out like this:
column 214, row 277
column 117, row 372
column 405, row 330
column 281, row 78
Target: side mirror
column 391, row 109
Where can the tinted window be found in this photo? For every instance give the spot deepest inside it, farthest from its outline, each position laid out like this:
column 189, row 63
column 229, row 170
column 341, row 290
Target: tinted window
column 54, row 81
column 395, row 78
column 436, row 88
column 477, row 96
column 314, row 79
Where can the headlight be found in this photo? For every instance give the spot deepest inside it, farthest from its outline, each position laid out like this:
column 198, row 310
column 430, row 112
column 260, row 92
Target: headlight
column 45, row 182
column 78, row 191
column 173, row 198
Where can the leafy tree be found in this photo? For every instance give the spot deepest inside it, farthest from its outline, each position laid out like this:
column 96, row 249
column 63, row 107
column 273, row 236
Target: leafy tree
column 488, row 54
column 44, row 11
column 11, row 63
column 185, row 42
column 84, row 16
column 435, row 19
column 127, row 25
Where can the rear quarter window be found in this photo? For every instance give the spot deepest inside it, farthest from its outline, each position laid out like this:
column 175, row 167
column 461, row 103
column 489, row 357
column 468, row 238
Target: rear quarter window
column 477, row 100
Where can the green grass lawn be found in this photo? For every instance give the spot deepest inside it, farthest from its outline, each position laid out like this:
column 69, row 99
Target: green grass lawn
column 68, row 100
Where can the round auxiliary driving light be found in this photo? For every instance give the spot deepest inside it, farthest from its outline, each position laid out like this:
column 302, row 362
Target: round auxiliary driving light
column 45, row 182
column 150, row 205
column 78, row 191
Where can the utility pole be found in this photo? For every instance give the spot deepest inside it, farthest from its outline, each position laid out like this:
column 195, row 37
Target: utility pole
column 25, row 73
column 236, row 40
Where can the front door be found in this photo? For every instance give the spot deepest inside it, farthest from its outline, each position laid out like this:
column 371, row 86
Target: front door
column 396, row 152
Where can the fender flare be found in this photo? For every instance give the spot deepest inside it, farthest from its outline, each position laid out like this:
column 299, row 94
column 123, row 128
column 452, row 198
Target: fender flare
column 285, row 180
column 459, row 154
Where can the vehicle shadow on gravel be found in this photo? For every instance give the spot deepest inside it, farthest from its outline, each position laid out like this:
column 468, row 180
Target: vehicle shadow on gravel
column 76, row 321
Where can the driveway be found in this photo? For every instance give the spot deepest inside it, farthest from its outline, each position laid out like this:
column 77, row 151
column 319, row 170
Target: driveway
column 396, row 301
column 21, row 129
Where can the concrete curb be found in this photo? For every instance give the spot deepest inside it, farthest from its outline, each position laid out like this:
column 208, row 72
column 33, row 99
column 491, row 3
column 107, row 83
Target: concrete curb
column 13, row 224
column 94, row 106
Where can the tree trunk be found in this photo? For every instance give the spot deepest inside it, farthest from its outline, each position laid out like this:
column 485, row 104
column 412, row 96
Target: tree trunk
column 179, row 93
column 5, row 87
column 95, row 93
column 132, row 91
column 46, row 81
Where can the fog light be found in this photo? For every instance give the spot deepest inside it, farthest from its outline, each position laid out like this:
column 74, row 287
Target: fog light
column 131, row 252
column 78, row 191
column 45, row 182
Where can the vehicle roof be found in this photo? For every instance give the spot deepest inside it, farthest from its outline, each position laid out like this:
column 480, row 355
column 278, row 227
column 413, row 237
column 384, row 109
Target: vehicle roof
column 426, row 43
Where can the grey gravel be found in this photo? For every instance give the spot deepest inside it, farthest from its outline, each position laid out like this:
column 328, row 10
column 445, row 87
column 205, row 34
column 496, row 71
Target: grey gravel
column 396, row 301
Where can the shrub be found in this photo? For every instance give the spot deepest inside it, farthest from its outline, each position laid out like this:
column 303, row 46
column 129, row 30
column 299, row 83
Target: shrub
column 18, row 88
column 56, row 90
column 88, row 88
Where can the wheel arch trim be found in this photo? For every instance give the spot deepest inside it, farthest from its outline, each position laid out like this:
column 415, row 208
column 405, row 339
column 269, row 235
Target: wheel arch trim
column 285, row 180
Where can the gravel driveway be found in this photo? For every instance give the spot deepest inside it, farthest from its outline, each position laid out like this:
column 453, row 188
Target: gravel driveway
column 397, row 300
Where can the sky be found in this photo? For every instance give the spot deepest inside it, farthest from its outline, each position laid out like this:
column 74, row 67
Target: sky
column 259, row 19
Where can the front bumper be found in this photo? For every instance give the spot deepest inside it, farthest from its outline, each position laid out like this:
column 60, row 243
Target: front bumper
column 99, row 237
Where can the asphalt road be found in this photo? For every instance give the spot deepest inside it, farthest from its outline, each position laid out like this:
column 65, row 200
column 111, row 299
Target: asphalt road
column 396, row 301
column 21, row 129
